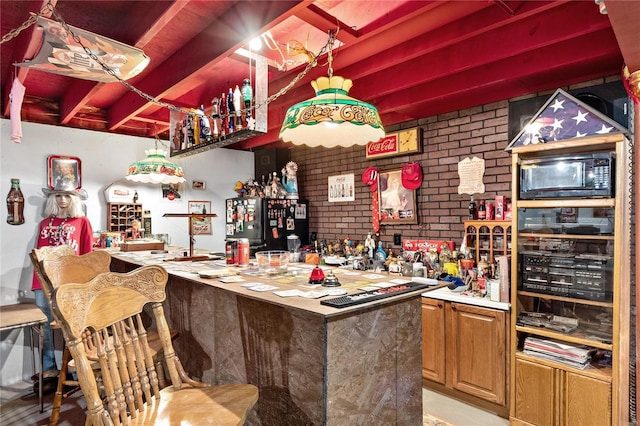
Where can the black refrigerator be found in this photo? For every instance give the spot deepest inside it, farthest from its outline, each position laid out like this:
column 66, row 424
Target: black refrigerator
column 266, row 222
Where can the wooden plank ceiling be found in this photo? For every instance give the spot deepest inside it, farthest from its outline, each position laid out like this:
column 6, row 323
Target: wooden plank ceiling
column 411, row 59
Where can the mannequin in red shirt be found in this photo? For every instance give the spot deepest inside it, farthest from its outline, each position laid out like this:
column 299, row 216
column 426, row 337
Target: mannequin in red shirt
column 65, row 224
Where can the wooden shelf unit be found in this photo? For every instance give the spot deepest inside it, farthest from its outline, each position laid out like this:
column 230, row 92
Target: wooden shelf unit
column 488, row 238
column 121, row 215
column 545, row 391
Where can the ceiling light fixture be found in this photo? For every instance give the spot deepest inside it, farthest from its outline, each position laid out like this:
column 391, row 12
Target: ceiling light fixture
column 155, row 168
column 331, row 118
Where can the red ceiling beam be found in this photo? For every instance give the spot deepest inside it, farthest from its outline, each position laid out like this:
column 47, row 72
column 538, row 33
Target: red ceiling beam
column 625, row 20
column 323, row 21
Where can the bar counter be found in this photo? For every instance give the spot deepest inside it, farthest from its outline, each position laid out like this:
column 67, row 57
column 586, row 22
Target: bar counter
column 313, row 364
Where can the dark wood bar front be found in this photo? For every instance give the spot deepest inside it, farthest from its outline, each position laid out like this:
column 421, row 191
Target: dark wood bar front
column 313, row 364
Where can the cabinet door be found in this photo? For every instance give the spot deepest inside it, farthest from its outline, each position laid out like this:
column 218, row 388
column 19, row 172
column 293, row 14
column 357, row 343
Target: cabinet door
column 585, row 401
column 433, row 348
column 476, row 351
column 535, row 393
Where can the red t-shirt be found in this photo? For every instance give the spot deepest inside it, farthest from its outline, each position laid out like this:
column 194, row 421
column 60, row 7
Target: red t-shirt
column 76, row 232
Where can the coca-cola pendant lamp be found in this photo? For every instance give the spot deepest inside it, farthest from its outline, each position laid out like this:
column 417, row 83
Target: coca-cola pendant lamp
column 331, row 118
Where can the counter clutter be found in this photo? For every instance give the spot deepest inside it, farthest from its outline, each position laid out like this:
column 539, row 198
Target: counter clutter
column 293, row 282
column 290, row 282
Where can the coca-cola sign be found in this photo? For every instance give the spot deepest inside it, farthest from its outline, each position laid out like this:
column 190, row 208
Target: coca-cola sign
column 385, row 146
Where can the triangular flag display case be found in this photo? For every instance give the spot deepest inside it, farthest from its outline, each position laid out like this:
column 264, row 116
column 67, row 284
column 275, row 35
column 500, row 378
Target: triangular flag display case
column 570, row 278
column 564, row 117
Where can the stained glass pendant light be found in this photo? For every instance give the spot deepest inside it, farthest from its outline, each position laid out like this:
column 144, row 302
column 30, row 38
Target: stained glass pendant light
column 155, row 169
column 331, row 118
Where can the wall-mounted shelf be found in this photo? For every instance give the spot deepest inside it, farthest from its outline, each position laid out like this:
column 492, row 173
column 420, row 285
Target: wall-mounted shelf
column 235, row 137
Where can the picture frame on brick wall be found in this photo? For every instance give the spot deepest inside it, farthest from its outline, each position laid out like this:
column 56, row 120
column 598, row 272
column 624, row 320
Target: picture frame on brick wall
column 341, row 188
column 397, row 203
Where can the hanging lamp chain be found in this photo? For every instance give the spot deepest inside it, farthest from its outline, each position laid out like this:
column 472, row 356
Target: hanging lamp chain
column 49, row 9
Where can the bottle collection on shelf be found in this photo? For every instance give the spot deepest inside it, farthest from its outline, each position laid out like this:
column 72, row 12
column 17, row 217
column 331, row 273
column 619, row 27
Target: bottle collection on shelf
column 230, row 113
column 499, row 209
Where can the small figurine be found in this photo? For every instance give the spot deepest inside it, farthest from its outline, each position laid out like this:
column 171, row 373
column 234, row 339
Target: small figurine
column 289, row 180
column 380, row 253
column 370, row 245
column 240, row 189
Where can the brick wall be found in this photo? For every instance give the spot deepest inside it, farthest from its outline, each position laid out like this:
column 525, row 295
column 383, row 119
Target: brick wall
column 447, row 139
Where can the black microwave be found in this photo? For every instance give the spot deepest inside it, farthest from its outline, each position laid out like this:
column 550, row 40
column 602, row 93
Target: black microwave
column 588, row 175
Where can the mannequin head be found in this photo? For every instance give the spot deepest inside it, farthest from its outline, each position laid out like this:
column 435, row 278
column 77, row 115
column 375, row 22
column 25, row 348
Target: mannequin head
column 63, row 204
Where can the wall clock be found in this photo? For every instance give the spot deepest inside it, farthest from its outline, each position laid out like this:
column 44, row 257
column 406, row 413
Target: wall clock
column 408, row 140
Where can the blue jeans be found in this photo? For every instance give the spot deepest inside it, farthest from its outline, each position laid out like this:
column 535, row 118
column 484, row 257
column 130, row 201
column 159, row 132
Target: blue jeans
column 48, row 351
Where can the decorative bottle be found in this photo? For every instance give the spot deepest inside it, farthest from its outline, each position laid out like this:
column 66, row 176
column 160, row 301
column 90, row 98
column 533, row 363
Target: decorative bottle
column 15, row 204
column 247, row 98
column 231, row 110
column 237, row 105
column 224, row 127
column 482, row 211
column 472, row 210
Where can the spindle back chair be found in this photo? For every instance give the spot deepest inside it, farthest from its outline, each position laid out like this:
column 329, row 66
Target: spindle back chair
column 109, row 306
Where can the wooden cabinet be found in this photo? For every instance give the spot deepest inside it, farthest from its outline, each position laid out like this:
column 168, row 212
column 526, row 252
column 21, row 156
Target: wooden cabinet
column 121, row 216
column 569, row 265
column 465, row 351
column 433, row 339
column 548, row 396
column 486, row 239
column 476, row 351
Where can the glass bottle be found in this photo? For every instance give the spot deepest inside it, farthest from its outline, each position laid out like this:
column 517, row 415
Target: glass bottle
column 472, row 210
column 482, row 211
column 15, row 204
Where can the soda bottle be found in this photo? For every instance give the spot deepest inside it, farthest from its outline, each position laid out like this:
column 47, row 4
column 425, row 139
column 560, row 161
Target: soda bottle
column 472, row 210
column 15, row 204
column 482, row 211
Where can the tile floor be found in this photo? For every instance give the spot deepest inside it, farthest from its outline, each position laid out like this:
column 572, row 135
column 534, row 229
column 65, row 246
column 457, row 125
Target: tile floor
column 458, row 413
column 19, row 407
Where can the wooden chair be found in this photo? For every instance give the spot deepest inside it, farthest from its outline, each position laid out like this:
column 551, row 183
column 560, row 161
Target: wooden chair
column 109, row 306
column 84, row 268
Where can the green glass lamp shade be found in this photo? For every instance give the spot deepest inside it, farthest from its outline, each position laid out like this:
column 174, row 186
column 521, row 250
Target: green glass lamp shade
column 332, row 118
column 155, row 169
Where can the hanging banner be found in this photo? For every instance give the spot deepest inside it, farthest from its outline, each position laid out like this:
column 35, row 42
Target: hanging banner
column 61, row 54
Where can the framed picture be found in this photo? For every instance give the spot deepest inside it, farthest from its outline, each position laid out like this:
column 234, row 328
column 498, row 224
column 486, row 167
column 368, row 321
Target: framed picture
column 198, row 185
column 397, row 204
column 202, row 225
column 341, row 188
column 64, row 173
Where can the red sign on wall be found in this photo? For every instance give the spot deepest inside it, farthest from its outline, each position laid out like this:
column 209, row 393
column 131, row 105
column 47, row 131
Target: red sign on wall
column 385, row 146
